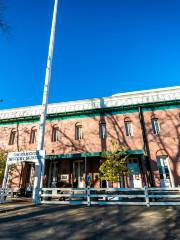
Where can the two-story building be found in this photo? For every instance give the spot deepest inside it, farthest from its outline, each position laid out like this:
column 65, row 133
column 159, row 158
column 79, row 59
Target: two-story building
column 146, row 122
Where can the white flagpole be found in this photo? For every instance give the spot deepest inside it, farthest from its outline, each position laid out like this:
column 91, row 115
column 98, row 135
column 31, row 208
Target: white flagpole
column 38, row 181
column 47, row 81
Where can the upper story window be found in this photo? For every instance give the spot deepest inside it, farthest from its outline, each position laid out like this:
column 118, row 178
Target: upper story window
column 155, row 126
column 78, row 131
column 55, row 134
column 33, row 135
column 12, row 138
column 128, row 128
column 102, row 130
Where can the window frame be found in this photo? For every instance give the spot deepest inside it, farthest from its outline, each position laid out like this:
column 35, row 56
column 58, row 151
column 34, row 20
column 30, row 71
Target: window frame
column 55, row 134
column 155, row 127
column 128, row 130
column 12, row 138
column 78, row 131
column 101, row 135
column 33, row 135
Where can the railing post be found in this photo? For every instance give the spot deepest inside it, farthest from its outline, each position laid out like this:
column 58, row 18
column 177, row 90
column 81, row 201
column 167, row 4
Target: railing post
column 146, row 196
column 36, row 198
column 1, row 192
column 54, row 192
column 88, row 196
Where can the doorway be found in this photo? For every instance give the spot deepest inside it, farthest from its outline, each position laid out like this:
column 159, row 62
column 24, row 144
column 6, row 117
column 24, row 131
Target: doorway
column 30, row 175
column 53, row 173
column 29, row 178
column 78, row 172
column 134, row 174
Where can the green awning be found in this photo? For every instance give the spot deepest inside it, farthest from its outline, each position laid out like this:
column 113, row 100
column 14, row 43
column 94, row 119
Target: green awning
column 89, row 154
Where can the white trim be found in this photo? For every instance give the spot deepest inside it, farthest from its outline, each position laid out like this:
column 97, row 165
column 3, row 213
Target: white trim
column 148, row 91
column 162, row 166
column 170, row 173
column 122, row 99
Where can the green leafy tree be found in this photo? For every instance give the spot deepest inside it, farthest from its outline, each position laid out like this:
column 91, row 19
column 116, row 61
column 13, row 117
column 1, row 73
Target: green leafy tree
column 114, row 164
column 3, row 157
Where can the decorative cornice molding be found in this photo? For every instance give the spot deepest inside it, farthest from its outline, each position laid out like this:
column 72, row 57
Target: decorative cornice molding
column 123, row 99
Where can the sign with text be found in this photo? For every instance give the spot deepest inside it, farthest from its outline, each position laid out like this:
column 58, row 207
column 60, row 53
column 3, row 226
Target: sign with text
column 26, row 156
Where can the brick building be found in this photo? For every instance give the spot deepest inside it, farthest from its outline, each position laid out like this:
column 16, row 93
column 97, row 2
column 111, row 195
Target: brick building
column 146, row 122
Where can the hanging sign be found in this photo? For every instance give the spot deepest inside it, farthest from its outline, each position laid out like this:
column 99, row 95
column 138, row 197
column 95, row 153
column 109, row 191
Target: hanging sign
column 26, row 156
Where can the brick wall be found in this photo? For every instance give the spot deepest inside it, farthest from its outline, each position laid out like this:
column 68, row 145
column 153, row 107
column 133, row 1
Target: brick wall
column 166, row 143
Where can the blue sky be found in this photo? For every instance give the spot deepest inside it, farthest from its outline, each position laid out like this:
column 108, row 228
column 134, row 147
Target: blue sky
column 102, row 47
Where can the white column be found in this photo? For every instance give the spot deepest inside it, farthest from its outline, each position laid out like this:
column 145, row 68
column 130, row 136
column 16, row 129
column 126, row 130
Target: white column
column 5, row 179
column 170, row 174
column 37, row 174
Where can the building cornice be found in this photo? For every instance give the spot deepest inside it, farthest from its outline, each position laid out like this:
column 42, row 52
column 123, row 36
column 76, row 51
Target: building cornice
column 118, row 100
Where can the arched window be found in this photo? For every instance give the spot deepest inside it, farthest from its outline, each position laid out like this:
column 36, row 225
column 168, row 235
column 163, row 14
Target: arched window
column 128, row 127
column 78, row 131
column 102, row 130
column 155, row 126
column 33, row 135
column 55, row 133
column 12, row 138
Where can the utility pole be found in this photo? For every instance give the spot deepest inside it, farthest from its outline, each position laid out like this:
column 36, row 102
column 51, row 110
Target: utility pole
column 39, row 169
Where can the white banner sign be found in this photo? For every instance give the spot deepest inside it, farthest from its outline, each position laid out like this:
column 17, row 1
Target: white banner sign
column 27, row 156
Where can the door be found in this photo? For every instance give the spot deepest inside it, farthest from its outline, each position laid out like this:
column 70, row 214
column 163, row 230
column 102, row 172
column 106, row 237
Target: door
column 163, row 167
column 29, row 176
column 134, row 174
column 78, row 168
column 53, row 174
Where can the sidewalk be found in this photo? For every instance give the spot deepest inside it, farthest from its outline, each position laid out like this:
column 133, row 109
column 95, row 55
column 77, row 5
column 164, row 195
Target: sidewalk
column 54, row 222
column 15, row 205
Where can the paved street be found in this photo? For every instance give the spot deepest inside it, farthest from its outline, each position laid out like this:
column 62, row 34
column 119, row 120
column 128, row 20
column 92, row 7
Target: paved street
column 24, row 221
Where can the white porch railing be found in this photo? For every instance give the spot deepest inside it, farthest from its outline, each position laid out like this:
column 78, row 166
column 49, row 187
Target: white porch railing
column 5, row 195
column 111, row 196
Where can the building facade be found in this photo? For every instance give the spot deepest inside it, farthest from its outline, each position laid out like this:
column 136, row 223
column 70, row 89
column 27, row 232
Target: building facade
column 147, row 123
